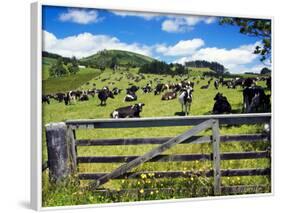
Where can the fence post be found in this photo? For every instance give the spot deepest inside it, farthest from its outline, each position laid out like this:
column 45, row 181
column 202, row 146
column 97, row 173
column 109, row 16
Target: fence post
column 58, row 153
column 70, row 137
column 216, row 157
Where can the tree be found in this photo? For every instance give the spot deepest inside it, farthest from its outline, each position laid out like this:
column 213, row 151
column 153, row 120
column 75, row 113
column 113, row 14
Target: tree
column 265, row 71
column 113, row 63
column 257, row 28
column 180, row 69
column 73, row 67
column 57, row 69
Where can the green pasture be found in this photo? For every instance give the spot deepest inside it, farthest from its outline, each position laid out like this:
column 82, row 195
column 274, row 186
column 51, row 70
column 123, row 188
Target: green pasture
column 71, row 193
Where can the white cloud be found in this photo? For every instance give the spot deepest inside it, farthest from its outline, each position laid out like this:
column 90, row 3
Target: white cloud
column 183, row 47
column 177, row 24
column 146, row 16
column 86, row 44
column 234, row 59
column 80, row 16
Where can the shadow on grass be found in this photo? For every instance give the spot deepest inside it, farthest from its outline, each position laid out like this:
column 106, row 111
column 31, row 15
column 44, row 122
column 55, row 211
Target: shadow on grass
column 180, row 113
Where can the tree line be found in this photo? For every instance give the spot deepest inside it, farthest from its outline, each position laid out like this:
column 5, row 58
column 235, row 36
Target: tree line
column 59, row 69
column 161, row 67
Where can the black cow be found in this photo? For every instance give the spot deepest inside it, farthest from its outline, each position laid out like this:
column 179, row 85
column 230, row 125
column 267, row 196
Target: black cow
column 221, row 105
column 132, row 111
column 45, row 99
column 132, row 89
column 84, row 97
column 205, row 86
column 239, row 82
column 104, row 94
column 59, row 96
column 169, row 96
column 255, row 100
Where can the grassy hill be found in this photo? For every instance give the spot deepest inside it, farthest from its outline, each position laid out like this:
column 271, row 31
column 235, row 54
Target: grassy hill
column 64, row 83
column 195, row 71
column 122, row 58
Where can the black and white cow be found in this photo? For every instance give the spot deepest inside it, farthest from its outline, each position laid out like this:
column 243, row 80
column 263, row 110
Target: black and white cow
column 216, row 84
column 116, row 91
column 249, row 82
column 131, row 96
column 132, row 111
column 147, row 88
column 158, row 89
column 221, row 104
column 185, row 99
column 104, row 94
column 255, row 100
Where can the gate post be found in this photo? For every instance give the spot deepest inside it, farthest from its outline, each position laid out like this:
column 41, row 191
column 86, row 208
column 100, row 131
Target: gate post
column 58, row 154
column 216, row 157
column 70, row 137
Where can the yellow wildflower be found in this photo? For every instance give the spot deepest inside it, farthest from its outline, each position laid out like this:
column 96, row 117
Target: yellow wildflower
column 151, row 192
column 141, row 191
column 143, row 176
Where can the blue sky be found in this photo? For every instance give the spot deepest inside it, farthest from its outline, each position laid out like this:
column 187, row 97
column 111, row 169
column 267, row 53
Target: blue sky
column 82, row 32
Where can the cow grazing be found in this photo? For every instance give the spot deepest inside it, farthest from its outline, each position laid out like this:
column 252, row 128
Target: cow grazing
column 185, row 99
column 221, row 104
column 104, row 94
column 45, row 99
column 169, row 96
column 131, row 96
column 128, row 111
column 216, row 84
column 255, row 100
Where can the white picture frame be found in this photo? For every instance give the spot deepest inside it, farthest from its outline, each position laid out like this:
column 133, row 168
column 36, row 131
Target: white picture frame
column 36, row 105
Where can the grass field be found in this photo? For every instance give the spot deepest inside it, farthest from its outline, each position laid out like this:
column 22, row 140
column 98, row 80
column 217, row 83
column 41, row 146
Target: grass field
column 65, row 83
column 72, row 194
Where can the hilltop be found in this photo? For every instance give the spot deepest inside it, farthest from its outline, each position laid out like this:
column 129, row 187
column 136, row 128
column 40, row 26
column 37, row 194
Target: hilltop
column 120, row 57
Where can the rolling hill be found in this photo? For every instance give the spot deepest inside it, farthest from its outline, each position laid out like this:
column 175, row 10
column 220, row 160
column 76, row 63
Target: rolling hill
column 122, row 58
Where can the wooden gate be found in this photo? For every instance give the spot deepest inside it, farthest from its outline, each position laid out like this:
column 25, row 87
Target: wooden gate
column 63, row 160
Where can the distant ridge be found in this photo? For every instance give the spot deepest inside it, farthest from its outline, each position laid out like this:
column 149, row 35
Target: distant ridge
column 121, row 58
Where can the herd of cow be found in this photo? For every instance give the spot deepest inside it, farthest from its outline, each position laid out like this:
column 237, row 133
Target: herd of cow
column 254, row 97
